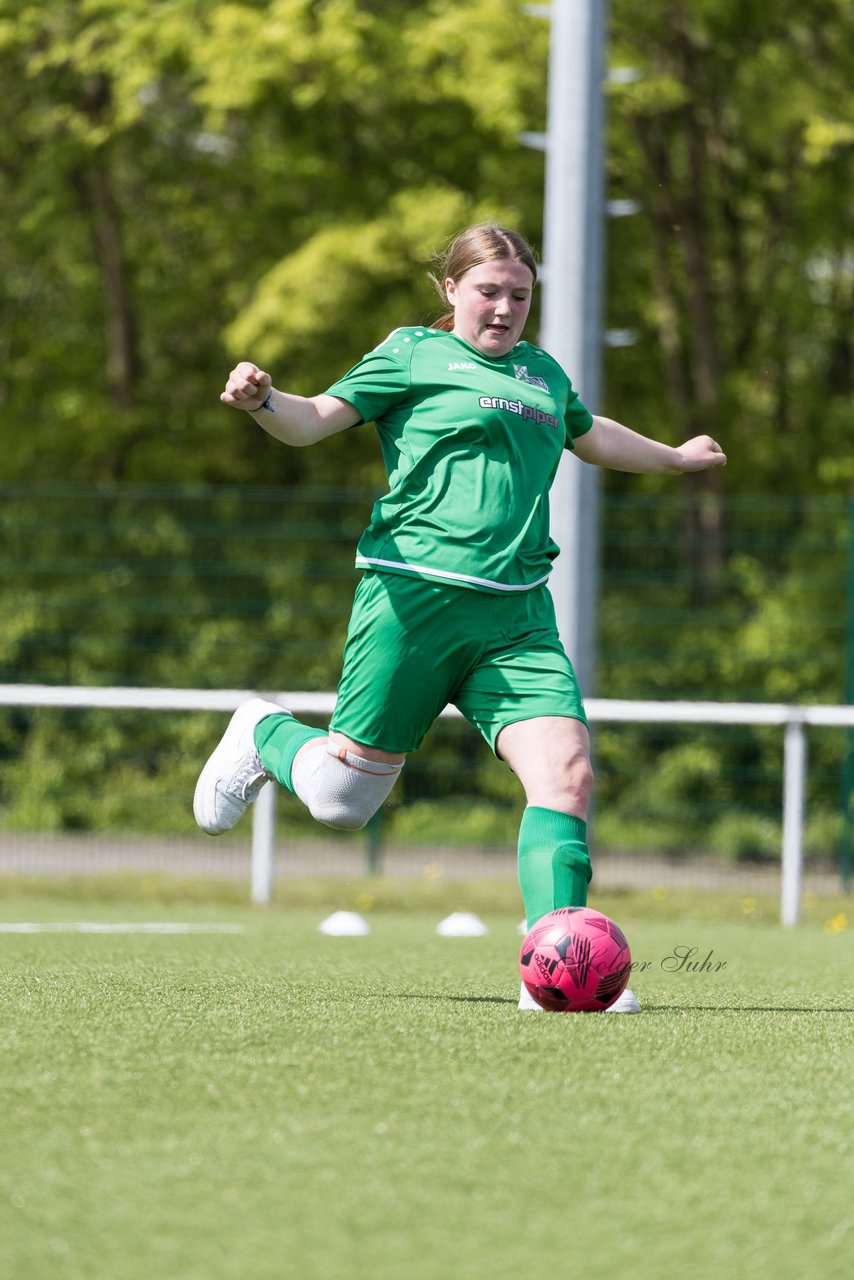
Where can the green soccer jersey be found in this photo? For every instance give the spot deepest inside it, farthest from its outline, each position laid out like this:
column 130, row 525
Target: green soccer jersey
column 471, row 444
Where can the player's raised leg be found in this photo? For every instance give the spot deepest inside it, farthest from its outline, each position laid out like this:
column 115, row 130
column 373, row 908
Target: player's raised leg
column 341, row 782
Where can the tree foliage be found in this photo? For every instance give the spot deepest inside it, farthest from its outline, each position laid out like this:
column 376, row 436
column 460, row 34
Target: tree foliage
column 190, row 183
column 181, row 178
column 737, row 138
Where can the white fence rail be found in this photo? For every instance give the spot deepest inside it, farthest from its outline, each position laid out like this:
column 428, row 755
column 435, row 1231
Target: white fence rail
column 792, row 718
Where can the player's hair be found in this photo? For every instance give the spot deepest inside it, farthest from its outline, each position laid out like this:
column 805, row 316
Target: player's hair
column 484, row 242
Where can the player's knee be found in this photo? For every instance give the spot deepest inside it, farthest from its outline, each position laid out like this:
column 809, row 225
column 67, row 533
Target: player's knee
column 582, row 776
column 343, row 790
column 575, row 779
column 349, row 813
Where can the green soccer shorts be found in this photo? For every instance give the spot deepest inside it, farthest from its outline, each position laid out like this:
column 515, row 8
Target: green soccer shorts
column 413, row 646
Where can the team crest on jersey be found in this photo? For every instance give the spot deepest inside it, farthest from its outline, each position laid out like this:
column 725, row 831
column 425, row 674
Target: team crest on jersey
column 523, row 376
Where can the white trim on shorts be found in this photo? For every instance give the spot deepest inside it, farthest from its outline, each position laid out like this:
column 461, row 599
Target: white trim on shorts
column 445, row 575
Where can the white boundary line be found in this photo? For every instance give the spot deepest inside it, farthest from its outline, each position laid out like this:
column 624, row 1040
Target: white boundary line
column 88, row 926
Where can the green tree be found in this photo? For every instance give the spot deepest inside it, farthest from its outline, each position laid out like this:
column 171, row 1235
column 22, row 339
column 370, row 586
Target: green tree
column 737, row 138
column 179, row 178
column 185, row 184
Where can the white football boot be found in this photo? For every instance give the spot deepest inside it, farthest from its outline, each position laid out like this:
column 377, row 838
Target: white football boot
column 626, row 1003
column 527, row 1001
column 234, row 775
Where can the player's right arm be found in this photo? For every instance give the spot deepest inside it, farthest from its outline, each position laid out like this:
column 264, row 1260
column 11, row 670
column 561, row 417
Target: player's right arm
column 295, row 420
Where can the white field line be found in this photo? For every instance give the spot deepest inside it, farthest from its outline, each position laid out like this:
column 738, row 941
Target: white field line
column 87, row 926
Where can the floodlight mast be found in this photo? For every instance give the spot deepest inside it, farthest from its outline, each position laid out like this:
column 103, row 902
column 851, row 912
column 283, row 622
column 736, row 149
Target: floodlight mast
column 571, row 316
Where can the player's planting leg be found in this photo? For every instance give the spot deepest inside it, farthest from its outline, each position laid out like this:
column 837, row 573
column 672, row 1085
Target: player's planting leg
column 554, row 868
column 554, row 864
column 554, row 871
column 551, row 757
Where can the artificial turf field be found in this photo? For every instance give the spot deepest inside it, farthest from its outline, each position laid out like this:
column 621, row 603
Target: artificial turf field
column 270, row 1102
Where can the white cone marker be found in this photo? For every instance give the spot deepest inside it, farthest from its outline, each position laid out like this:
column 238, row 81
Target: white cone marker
column 462, row 924
column 345, row 924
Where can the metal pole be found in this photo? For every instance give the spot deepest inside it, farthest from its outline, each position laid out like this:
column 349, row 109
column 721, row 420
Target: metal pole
column 263, row 844
column 572, row 300
column 846, row 845
column 794, row 803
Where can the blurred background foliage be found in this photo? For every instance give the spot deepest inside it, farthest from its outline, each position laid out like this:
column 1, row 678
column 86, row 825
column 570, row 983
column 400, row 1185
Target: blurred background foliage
column 188, row 183
column 242, row 587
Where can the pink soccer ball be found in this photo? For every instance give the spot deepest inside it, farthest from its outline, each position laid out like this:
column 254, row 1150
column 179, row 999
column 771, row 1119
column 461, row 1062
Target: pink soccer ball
column 575, row 960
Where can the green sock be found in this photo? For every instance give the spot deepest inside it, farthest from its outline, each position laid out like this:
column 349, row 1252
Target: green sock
column 277, row 740
column 554, row 865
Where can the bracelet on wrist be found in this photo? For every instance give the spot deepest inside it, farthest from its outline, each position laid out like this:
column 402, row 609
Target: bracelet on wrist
column 268, row 404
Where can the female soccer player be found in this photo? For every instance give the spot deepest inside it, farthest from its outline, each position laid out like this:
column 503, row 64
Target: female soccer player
column 453, row 605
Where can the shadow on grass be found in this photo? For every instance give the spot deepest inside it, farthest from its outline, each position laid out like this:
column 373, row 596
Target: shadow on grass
column 743, row 1008
column 481, row 999
column 646, row 1008
column 439, row 997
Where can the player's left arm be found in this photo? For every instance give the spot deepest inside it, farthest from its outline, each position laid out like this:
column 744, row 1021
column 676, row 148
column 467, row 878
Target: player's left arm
column 610, row 444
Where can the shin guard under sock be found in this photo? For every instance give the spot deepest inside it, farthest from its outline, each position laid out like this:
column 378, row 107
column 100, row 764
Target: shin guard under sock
column 554, row 864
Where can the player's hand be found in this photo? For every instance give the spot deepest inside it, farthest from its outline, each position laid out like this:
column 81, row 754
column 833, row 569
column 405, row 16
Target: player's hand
column 701, row 453
column 247, row 387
